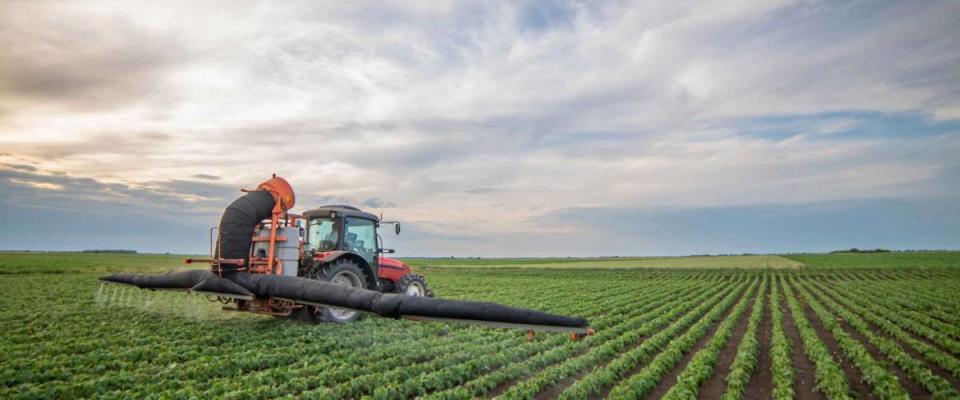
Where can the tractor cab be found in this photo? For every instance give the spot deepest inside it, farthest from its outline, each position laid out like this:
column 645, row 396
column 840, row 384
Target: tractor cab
column 342, row 228
column 341, row 245
column 336, row 231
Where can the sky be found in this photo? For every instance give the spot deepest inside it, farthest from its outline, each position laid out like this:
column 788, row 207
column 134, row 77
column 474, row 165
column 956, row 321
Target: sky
column 488, row 128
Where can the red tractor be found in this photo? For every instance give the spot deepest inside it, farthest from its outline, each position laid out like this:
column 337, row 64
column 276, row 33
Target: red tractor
column 325, row 265
column 341, row 245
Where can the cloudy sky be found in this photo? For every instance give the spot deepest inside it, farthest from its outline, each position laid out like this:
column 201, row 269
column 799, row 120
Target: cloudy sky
column 487, row 128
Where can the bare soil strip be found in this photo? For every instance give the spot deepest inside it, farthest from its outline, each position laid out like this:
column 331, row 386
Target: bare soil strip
column 503, row 387
column 932, row 366
column 554, row 391
column 913, row 388
column 715, row 386
column 805, row 384
column 884, row 310
column 670, row 379
column 860, row 389
column 761, row 383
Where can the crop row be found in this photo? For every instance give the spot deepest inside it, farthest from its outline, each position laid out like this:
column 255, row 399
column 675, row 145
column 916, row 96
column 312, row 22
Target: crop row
column 746, row 360
column 609, row 336
column 939, row 388
column 883, row 382
column 917, row 323
column 780, row 350
column 830, row 379
column 671, row 351
column 606, row 351
column 701, row 365
column 63, row 340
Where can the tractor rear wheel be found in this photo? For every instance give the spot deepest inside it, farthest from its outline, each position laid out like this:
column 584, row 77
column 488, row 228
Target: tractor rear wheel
column 413, row 285
column 341, row 272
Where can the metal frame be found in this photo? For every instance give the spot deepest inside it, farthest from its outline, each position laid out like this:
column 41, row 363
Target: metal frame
column 226, row 295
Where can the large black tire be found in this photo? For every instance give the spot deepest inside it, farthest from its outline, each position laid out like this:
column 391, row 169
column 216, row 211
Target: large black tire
column 413, row 285
column 344, row 272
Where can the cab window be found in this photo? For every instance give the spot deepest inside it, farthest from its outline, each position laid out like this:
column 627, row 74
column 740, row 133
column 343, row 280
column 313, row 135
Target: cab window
column 361, row 237
column 322, row 234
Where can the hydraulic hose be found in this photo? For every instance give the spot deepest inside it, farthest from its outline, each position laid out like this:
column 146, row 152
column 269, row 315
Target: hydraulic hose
column 237, row 225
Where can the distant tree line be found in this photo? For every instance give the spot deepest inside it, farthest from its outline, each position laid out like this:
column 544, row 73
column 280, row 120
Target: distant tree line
column 110, row 251
column 856, row 250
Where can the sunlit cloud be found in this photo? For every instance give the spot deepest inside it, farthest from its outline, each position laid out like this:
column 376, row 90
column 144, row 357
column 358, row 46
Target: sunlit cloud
column 36, row 185
column 478, row 119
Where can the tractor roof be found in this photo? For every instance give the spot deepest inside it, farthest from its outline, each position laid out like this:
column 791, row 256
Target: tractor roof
column 347, row 211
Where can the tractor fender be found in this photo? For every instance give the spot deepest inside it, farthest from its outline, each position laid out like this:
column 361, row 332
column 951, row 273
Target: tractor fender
column 392, row 269
column 331, row 256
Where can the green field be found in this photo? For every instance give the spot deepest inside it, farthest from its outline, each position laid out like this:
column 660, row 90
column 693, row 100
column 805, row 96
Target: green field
column 696, row 262
column 18, row 263
column 831, row 329
column 939, row 259
column 55, row 263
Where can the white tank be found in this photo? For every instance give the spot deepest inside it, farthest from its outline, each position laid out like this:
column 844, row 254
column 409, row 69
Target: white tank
column 287, row 251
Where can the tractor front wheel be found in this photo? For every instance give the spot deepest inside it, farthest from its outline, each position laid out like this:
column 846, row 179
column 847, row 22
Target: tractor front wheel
column 340, row 272
column 413, row 285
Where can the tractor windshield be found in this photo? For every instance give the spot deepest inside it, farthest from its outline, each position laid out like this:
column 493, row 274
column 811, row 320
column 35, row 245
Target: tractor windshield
column 322, row 234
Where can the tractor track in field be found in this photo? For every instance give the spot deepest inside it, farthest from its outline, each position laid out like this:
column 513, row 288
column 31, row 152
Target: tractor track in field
column 804, row 384
column 760, row 385
column 854, row 377
column 715, row 386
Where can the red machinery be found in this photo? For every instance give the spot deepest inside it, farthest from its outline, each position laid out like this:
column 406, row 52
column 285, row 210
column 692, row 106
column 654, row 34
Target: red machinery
column 324, row 265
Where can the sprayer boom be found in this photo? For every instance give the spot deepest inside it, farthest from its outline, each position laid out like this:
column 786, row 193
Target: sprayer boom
column 265, row 260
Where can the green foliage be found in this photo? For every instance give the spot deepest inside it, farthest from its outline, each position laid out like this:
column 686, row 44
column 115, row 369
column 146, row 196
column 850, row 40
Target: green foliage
column 861, row 260
column 56, row 263
column 939, row 387
column 746, row 360
column 687, row 262
column 883, row 382
column 701, row 365
column 671, row 352
column 67, row 336
column 780, row 350
column 830, row 378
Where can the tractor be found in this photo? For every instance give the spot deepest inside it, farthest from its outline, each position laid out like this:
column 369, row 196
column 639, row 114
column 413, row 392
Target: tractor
column 325, row 265
column 342, row 246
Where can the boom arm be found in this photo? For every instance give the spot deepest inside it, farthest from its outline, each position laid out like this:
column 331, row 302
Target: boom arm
column 242, row 285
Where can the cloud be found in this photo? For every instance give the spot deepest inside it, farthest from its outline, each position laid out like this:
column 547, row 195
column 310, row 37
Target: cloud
column 83, row 59
column 378, row 203
column 21, row 167
column 43, row 192
column 35, row 184
column 475, row 118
